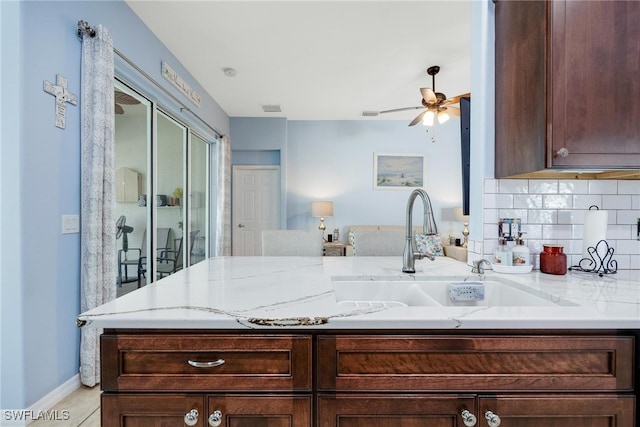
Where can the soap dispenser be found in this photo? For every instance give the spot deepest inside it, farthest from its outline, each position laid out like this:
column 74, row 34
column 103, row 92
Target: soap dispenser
column 521, row 253
column 502, row 254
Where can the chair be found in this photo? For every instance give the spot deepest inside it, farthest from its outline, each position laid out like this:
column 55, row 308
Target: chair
column 171, row 261
column 291, row 242
column 162, row 236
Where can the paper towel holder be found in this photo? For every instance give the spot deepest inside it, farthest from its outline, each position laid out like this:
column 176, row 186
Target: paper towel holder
column 601, row 260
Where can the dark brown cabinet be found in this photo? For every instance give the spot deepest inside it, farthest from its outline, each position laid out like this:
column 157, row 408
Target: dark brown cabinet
column 150, row 410
column 355, row 410
column 548, row 410
column 558, row 410
column 567, row 88
column 232, row 410
column 510, row 380
column 373, row 379
column 199, row 379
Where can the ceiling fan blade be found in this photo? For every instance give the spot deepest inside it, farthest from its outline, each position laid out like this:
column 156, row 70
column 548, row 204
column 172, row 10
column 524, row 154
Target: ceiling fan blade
column 428, row 95
column 401, row 109
column 118, row 109
column 455, row 99
column 123, row 98
column 418, row 118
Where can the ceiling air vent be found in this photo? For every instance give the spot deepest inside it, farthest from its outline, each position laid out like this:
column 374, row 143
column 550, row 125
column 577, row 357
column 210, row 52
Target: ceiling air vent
column 271, row 108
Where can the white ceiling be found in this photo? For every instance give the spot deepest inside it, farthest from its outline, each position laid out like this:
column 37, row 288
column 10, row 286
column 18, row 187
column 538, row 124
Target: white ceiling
column 318, row 60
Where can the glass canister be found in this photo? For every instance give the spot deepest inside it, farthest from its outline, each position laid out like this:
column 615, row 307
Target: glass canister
column 553, row 260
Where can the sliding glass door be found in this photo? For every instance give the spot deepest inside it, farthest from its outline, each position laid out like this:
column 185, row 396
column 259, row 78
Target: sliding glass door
column 162, row 176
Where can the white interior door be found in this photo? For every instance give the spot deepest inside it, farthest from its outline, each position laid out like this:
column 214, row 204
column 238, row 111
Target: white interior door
column 255, row 206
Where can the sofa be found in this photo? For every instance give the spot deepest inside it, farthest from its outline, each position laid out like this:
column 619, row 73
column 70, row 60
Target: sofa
column 389, row 240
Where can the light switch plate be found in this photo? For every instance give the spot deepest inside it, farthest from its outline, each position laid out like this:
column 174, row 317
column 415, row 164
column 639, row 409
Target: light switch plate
column 70, row 224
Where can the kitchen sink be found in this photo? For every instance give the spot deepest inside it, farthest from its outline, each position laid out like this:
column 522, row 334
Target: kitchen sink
column 374, row 293
column 359, row 292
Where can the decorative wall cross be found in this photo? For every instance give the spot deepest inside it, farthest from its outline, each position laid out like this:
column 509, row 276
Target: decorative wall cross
column 59, row 90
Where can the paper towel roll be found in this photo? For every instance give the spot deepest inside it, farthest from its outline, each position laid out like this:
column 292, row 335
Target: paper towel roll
column 595, row 229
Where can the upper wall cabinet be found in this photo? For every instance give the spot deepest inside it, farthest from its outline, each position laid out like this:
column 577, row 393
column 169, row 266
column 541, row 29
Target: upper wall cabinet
column 567, row 87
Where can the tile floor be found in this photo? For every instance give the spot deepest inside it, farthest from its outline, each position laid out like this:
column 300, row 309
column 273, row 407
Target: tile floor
column 83, row 406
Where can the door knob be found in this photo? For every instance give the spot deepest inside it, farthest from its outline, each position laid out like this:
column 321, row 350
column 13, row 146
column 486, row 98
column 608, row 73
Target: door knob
column 191, row 417
column 468, row 418
column 492, row 419
column 215, row 419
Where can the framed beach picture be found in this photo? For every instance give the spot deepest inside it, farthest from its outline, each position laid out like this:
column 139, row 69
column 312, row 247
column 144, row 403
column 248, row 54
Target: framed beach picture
column 398, row 171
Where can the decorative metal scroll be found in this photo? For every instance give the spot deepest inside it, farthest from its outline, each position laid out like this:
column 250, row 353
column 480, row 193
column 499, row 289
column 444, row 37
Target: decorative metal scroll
column 600, row 260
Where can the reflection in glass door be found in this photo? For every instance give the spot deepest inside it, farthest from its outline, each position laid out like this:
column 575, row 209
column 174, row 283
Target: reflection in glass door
column 132, row 139
column 198, row 202
column 169, row 201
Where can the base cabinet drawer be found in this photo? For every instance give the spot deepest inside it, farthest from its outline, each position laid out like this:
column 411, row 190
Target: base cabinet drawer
column 419, row 363
column 205, row 363
column 231, row 410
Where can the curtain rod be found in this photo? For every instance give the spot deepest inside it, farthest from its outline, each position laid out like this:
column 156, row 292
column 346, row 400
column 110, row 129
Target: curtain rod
column 85, row 29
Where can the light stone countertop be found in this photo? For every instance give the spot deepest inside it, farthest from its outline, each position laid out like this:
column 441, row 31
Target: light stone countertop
column 297, row 292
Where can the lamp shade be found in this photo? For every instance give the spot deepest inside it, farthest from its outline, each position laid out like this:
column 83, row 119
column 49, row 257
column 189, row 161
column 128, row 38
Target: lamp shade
column 321, row 209
column 458, row 215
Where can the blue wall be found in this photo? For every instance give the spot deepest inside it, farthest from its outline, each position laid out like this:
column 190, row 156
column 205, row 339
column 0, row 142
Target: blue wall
column 40, row 268
column 333, row 160
column 11, row 295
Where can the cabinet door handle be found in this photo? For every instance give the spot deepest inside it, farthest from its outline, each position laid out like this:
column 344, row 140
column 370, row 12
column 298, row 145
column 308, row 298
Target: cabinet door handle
column 206, row 364
column 191, row 417
column 240, row 225
column 469, row 419
column 215, row 419
column 563, row 152
column 492, row 419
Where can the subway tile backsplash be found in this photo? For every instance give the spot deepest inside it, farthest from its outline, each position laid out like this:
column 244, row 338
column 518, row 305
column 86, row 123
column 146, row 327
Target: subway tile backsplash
column 552, row 211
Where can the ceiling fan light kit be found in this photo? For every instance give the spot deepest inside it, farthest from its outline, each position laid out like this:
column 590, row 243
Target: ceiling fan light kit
column 428, row 118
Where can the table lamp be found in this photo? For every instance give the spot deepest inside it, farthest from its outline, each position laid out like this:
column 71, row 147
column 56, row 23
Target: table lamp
column 321, row 209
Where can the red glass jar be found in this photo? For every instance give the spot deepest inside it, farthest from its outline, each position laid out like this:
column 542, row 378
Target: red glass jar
column 553, row 260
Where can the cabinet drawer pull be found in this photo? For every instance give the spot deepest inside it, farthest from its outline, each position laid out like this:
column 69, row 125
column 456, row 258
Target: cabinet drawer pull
column 215, row 419
column 191, row 417
column 492, row 419
column 468, row 418
column 206, row 364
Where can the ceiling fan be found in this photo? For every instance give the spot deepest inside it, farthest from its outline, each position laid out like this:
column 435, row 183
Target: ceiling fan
column 123, row 98
column 435, row 104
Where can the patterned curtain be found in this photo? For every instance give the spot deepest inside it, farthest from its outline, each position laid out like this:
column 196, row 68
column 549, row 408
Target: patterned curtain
column 223, row 203
column 98, row 239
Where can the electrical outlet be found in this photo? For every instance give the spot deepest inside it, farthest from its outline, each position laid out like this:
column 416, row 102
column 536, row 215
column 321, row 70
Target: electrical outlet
column 70, row 224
